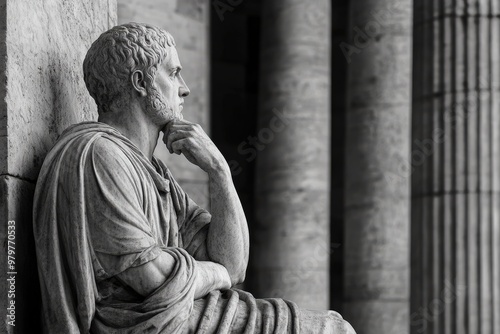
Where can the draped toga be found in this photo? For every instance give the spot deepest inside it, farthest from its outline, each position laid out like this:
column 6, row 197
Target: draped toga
column 102, row 207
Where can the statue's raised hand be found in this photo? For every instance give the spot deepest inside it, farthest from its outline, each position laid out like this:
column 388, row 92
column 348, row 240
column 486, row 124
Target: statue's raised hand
column 181, row 136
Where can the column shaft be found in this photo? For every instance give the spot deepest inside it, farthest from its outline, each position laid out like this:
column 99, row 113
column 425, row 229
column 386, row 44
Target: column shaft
column 290, row 242
column 455, row 184
column 377, row 186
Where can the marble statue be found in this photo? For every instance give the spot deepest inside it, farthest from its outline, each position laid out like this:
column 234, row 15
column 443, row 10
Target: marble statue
column 121, row 247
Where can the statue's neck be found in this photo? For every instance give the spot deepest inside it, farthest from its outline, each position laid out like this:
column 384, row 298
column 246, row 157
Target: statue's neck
column 136, row 126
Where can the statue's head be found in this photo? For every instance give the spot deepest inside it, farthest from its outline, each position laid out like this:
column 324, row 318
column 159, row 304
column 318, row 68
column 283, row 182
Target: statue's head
column 124, row 51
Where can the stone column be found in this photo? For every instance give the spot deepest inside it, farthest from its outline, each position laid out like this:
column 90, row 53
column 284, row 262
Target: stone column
column 42, row 46
column 377, row 188
column 456, row 168
column 188, row 22
column 290, row 244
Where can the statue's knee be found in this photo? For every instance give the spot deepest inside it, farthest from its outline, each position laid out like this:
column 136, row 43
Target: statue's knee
column 334, row 315
column 341, row 326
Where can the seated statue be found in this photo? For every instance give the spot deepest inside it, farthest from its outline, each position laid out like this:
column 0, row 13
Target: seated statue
column 121, row 247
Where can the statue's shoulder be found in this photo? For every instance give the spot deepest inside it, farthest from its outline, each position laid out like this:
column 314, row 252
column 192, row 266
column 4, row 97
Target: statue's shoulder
column 84, row 139
column 80, row 136
column 86, row 130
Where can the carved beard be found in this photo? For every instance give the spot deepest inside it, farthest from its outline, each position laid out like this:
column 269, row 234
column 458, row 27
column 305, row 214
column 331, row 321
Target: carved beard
column 157, row 107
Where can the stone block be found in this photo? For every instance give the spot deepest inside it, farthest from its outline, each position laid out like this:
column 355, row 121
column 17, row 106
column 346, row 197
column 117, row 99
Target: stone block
column 45, row 92
column 42, row 46
column 378, row 316
column 16, row 231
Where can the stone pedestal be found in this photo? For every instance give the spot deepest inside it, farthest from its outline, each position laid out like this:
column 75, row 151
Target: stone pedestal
column 456, row 168
column 377, row 188
column 290, row 246
column 42, row 46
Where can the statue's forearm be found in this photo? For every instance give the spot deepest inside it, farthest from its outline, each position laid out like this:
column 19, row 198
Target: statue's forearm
column 227, row 239
column 148, row 277
column 210, row 276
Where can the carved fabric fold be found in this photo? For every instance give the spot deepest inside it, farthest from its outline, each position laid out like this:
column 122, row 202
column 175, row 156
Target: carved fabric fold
column 92, row 220
column 102, row 207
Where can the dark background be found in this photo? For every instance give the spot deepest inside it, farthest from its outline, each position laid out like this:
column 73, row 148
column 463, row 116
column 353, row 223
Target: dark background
column 235, row 57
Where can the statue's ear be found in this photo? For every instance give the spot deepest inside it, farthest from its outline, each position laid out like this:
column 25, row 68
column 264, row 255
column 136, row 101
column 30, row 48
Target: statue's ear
column 139, row 83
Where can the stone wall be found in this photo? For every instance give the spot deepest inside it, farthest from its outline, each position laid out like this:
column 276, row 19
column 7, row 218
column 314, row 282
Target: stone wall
column 187, row 21
column 42, row 46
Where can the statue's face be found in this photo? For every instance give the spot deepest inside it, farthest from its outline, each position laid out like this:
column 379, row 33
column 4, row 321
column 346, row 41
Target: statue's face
column 166, row 95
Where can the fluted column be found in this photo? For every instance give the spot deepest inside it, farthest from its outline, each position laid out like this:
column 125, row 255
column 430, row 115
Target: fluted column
column 456, row 137
column 290, row 249
column 377, row 196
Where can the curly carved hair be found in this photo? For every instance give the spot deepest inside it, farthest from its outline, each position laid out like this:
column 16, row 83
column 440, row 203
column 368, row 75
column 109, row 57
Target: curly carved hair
column 117, row 53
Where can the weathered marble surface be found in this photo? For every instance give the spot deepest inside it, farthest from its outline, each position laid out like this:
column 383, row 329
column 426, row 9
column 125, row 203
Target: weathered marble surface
column 456, row 169
column 377, row 189
column 42, row 45
column 78, row 242
column 292, row 176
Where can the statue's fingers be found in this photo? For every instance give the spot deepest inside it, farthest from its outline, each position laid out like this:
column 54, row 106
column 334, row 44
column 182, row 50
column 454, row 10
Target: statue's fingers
column 178, row 146
column 182, row 121
column 182, row 124
column 179, row 124
column 173, row 136
column 174, row 125
column 179, row 127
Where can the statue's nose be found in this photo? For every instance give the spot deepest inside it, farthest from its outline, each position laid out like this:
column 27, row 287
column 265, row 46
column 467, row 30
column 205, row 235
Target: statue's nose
column 183, row 89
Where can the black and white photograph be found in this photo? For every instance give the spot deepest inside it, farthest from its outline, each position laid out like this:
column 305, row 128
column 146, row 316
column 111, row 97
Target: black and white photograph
column 250, row 166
